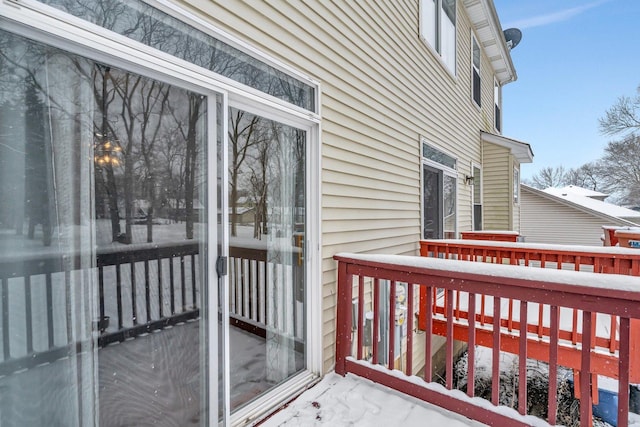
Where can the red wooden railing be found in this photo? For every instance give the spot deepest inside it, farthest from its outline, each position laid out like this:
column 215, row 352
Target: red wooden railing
column 579, row 258
column 594, row 295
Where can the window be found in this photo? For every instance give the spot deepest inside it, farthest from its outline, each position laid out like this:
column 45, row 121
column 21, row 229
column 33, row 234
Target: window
column 475, row 71
column 439, row 194
column 496, row 100
column 516, row 185
column 151, row 26
column 477, row 197
column 438, row 28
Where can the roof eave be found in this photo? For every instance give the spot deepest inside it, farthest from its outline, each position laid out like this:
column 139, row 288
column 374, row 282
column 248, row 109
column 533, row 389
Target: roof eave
column 585, row 209
column 520, row 150
column 488, row 29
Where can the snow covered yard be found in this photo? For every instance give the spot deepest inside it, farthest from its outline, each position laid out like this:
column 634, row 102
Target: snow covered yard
column 353, row 401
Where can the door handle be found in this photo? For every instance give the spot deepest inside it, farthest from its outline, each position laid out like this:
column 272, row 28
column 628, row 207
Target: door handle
column 221, row 266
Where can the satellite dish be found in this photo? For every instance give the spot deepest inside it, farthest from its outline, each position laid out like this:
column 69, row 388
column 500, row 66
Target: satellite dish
column 512, row 36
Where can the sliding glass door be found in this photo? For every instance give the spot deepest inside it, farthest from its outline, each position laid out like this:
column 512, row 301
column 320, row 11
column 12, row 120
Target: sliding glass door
column 107, row 247
column 154, row 221
column 267, row 226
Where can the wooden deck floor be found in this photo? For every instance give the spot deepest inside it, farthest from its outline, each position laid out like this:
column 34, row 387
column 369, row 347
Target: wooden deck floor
column 153, row 380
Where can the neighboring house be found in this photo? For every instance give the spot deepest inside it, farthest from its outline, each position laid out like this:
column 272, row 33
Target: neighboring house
column 361, row 127
column 570, row 215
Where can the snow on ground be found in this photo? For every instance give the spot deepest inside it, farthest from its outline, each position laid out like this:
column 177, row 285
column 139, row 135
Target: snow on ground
column 355, row 401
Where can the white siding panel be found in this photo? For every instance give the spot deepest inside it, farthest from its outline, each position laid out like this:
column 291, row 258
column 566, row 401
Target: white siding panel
column 382, row 88
column 546, row 221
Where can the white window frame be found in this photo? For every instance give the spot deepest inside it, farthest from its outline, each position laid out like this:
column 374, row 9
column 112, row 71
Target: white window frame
column 474, row 166
column 56, row 28
column 497, row 106
column 432, row 32
column 516, row 185
column 476, row 69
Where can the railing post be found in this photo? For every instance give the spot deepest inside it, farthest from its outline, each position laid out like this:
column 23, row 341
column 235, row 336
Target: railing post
column 634, row 348
column 343, row 318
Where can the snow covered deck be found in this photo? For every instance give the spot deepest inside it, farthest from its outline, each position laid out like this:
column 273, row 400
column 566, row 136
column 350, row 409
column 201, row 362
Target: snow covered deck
column 354, row 401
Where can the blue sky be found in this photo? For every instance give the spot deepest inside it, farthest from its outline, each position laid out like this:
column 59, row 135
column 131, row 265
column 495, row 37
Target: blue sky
column 576, row 58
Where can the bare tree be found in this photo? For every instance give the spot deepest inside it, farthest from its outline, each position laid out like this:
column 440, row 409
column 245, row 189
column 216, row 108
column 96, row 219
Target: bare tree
column 621, row 169
column 623, row 117
column 548, row 177
column 242, row 131
column 588, row 176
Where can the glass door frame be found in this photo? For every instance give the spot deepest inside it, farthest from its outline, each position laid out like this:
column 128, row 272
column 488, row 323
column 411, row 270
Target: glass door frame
column 136, row 64
column 442, row 172
column 42, row 23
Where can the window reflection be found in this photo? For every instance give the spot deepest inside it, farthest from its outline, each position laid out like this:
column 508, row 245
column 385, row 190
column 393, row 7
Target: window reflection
column 140, row 22
column 267, row 203
column 102, row 223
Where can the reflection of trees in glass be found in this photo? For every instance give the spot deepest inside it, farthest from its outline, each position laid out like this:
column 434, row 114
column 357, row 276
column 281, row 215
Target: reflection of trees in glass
column 143, row 23
column 146, row 137
column 245, row 131
column 266, row 172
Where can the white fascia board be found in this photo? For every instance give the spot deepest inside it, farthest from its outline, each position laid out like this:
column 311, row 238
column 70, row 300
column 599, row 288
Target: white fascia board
column 520, row 150
column 485, row 21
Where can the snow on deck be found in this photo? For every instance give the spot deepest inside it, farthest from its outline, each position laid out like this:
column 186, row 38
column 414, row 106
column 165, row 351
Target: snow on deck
column 354, row 401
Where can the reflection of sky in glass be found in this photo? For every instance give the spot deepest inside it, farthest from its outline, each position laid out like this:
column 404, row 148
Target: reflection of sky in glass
column 154, row 28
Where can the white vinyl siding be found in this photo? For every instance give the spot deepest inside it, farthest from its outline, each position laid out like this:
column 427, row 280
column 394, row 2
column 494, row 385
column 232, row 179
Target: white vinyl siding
column 381, row 88
column 497, row 189
column 547, row 221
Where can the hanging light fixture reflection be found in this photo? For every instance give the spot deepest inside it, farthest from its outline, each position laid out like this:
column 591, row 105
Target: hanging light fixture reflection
column 107, row 153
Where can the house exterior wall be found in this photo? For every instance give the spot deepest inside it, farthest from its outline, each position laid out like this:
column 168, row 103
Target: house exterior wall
column 546, row 221
column 498, row 177
column 382, row 88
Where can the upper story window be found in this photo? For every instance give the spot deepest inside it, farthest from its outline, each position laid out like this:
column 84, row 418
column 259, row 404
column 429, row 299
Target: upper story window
column 475, row 72
column 154, row 28
column 497, row 102
column 438, row 28
column 516, row 185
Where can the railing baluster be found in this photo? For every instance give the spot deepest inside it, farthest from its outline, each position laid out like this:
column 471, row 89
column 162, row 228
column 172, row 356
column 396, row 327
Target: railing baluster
column 613, row 325
column 147, row 291
column 183, row 285
column 585, row 371
column 28, row 313
column 392, row 324
column 376, row 319
column 540, row 319
column 5, row 319
column 172, row 291
column 134, row 308
column 471, row 359
column 428, row 362
column 449, row 343
column 495, row 362
column 253, row 270
column 522, row 367
column 50, row 332
column 119, row 294
column 101, row 292
column 193, row 281
column 409, row 317
column 624, row 367
column 553, row 364
column 68, row 308
column 160, row 285
column 360, row 315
